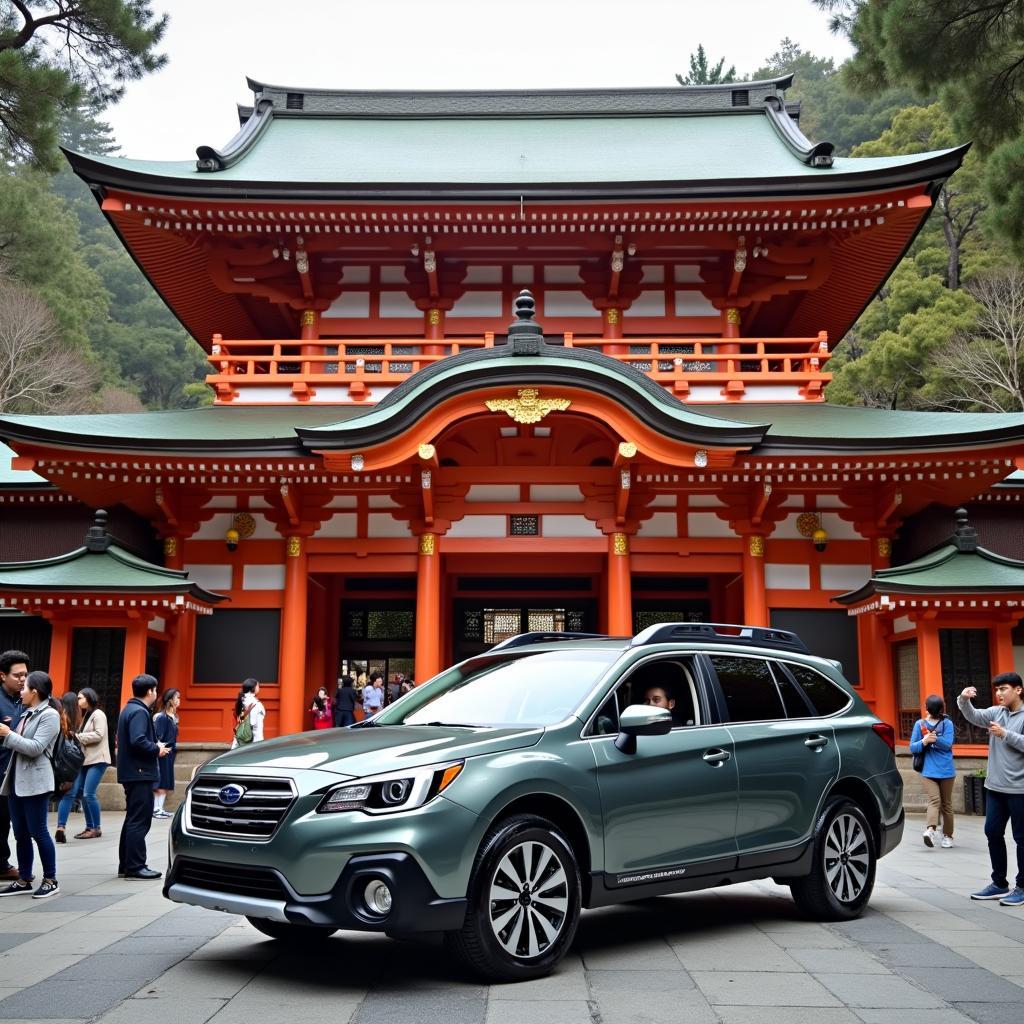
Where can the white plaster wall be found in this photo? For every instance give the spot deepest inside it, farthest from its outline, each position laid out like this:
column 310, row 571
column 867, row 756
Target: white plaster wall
column 902, row 624
column 568, row 304
column 707, row 524
column 568, row 526
column 783, row 576
column 838, row 529
column 479, row 526
column 664, row 501
column 705, row 501
column 341, row 524
column 477, row 304
column 381, row 501
column 492, row 492
column 212, row 577
column 844, row 577
column 263, row 577
column 380, row 524
column 343, row 501
column 661, row 524
column 349, row 305
column 216, row 526
column 158, row 625
column 555, row 492
column 647, row 304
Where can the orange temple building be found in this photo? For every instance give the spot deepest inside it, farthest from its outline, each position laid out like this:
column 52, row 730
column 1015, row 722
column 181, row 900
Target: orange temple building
column 392, row 475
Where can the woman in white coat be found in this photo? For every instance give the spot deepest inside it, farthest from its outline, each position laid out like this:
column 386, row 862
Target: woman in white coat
column 29, row 783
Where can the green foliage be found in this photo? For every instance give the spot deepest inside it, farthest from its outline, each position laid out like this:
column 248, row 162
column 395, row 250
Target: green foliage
column 703, row 73
column 55, row 53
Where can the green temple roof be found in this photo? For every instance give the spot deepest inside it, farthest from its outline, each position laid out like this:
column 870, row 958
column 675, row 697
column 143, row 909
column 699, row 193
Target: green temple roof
column 18, row 477
column 960, row 567
column 741, row 137
column 100, row 567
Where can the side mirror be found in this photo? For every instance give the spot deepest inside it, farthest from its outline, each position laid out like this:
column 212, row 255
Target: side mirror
column 641, row 720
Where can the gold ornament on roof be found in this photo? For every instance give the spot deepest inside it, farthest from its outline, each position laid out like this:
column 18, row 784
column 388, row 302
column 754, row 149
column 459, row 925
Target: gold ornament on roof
column 426, row 452
column 627, row 450
column 528, row 406
column 244, row 524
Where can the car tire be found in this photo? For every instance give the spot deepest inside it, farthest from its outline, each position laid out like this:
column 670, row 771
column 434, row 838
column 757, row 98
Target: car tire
column 515, row 938
column 844, row 858
column 285, row 930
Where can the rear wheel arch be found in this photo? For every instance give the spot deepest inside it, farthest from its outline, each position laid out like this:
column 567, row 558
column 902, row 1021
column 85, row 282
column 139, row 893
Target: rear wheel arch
column 860, row 793
column 564, row 817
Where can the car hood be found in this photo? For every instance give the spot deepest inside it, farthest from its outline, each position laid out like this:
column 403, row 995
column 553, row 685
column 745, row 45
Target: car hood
column 355, row 753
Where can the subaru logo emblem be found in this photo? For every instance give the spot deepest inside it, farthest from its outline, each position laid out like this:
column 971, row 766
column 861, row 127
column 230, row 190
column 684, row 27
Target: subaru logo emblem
column 230, row 795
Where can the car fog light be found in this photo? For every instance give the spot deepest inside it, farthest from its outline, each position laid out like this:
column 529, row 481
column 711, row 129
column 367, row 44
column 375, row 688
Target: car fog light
column 377, row 897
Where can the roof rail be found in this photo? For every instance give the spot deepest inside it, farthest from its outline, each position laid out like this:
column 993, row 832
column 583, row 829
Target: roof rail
column 525, row 639
column 711, row 632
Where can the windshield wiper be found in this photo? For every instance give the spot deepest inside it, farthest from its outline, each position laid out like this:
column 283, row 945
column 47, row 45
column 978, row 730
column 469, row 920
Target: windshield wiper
column 453, row 725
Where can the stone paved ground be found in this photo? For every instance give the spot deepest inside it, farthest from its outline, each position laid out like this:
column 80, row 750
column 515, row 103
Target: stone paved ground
column 116, row 951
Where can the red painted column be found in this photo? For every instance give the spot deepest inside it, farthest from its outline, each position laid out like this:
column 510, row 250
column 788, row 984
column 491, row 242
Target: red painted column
column 619, row 590
column 755, row 597
column 291, row 670
column 59, row 668
column 1001, row 645
column 611, row 324
column 929, row 658
column 310, row 332
column 134, row 656
column 428, row 609
column 316, row 650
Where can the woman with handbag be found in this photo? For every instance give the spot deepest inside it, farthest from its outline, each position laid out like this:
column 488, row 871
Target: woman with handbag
column 931, row 744
column 93, row 738
column 29, row 783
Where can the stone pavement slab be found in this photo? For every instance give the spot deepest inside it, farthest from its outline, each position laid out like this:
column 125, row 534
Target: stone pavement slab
column 113, row 951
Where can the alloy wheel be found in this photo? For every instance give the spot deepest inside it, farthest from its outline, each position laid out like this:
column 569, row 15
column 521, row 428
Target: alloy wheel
column 847, row 857
column 528, row 899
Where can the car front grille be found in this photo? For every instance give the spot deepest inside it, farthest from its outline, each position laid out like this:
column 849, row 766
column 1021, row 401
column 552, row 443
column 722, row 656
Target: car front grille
column 230, row 878
column 256, row 816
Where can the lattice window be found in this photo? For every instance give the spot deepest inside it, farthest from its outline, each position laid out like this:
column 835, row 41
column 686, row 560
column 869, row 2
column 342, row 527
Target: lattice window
column 652, row 617
column 390, row 624
column 524, row 526
column 501, row 623
column 545, row 620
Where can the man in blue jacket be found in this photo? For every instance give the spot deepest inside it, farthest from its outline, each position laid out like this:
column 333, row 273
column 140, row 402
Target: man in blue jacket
column 13, row 673
column 137, row 754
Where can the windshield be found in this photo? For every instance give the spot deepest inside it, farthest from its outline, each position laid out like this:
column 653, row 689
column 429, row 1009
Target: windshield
column 539, row 689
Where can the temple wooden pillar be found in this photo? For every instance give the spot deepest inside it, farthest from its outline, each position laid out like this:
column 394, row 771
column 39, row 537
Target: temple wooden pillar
column 619, row 586
column 59, row 668
column 929, row 658
column 291, row 670
column 755, row 596
column 134, row 654
column 316, row 650
column 310, row 331
column 1001, row 646
column 611, row 328
column 427, row 653
column 877, row 678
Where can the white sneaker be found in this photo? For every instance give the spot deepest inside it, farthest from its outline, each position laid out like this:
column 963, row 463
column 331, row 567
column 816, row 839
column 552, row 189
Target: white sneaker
column 947, row 842
column 929, row 837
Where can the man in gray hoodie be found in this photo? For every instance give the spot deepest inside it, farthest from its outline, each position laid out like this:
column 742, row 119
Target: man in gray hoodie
column 1005, row 782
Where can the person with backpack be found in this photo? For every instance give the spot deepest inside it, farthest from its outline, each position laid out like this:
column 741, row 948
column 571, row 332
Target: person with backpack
column 249, row 714
column 138, row 753
column 932, row 741
column 92, row 737
column 28, row 783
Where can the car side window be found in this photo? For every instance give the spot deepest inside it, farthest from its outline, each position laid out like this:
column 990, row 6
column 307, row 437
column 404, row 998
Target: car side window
column 664, row 682
column 824, row 695
column 797, row 706
column 748, row 687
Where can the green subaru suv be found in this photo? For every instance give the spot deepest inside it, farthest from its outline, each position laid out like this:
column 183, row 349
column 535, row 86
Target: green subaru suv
column 551, row 773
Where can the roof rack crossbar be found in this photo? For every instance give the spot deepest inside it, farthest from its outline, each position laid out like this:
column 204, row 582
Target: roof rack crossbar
column 712, row 632
column 525, row 639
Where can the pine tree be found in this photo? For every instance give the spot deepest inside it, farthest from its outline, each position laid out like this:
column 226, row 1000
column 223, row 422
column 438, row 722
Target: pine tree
column 702, row 73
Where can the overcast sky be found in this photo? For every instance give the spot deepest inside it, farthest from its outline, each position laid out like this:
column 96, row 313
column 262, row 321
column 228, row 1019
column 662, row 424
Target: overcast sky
column 462, row 44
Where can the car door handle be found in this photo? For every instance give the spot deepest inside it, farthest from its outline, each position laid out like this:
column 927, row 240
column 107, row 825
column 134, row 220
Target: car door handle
column 716, row 757
column 816, row 743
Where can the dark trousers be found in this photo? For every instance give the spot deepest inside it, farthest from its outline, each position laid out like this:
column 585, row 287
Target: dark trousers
column 1001, row 808
column 138, row 816
column 344, row 718
column 28, row 816
column 5, row 834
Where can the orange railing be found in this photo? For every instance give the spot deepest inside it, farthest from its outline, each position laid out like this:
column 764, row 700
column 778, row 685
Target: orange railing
column 716, row 367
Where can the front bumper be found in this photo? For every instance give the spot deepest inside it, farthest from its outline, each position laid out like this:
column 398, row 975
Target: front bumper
column 265, row 893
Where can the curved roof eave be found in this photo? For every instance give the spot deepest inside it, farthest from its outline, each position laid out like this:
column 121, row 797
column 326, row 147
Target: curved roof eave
column 932, row 167
column 551, row 366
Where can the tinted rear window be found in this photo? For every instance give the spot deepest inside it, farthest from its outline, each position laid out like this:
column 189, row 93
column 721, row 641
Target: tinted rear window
column 749, row 689
column 824, row 695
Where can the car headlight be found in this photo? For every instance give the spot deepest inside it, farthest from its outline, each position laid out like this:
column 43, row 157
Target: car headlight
column 396, row 791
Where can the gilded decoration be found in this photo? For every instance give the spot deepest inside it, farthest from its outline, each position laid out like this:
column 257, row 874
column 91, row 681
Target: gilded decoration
column 170, row 547
column 755, row 544
column 611, row 316
column 433, row 317
column 308, row 318
column 807, row 523
column 426, row 452
column 294, row 547
column 627, row 450
column 732, row 316
column 428, row 543
column 620, row 543
column 244, row 524
column 884, row 547
column 527, row 406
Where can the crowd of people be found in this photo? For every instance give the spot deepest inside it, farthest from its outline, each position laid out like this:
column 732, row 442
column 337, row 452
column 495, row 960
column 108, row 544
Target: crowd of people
column 360, row 693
